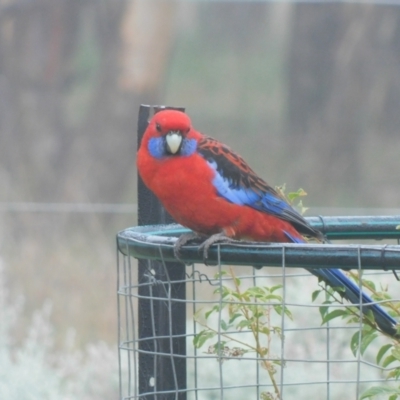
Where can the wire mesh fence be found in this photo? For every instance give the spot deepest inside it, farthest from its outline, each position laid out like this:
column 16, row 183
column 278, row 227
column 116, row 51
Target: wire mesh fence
column 290, row 353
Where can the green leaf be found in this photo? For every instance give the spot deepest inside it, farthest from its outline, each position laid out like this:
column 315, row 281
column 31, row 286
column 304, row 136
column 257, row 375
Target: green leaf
column 224, row 325
column 225, row 291
column 197, row 314
column 367, row 336
column 234, row 317
column 240, row 297
column 265, row 330
column 379, row 390
column 366, row 341
column 396, row 352
column 393, row 397
column 332, row 315
column 276, row 287
column 382, row 296
column 301, row 207
column 315, row 294
column 388, row 360
column 288, row 313
column 323, row 310
column 382, row 352
column 294, row 195
column 354, row 343
column 370, row 315
column 369, row 284
column 219, row 275
column 243, row 324
column 271, row 297
column 278, row 309
column 214, row 309
column 394, row 374
column 255, row 291
column 219, row 347
column 202, row 337
column 257, row 312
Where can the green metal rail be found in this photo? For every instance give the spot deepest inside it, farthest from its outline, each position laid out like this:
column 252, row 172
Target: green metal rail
column 157, row 241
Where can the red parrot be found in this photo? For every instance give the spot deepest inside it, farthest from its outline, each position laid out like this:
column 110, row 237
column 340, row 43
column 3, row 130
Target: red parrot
column 207, row 187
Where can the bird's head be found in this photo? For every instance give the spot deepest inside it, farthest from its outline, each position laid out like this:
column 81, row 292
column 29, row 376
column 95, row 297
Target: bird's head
column 169, row 134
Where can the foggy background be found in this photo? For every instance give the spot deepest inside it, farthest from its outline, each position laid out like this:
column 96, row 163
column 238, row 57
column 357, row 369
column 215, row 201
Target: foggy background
column 309, row 94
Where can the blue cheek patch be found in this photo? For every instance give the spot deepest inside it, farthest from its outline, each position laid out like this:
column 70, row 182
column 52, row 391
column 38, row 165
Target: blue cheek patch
column 156, row 147
column 188, row 147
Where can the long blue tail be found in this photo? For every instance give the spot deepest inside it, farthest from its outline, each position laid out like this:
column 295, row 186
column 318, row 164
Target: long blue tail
column 336, row 278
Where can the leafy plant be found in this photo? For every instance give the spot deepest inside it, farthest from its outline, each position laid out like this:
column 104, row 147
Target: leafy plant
column 388, row 355
column 293, row 198
column 250, row 311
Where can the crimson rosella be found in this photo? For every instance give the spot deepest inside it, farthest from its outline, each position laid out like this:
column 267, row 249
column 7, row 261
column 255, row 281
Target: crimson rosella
column 207, row 187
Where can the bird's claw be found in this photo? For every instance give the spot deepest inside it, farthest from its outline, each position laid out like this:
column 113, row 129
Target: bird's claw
column 204, row 247
column 214, row 239
column 184, row 239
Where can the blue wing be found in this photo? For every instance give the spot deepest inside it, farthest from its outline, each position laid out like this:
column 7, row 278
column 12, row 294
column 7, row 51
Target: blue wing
column 239, row 184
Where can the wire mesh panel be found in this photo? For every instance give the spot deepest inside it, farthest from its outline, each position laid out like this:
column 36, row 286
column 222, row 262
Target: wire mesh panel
column 252, row 332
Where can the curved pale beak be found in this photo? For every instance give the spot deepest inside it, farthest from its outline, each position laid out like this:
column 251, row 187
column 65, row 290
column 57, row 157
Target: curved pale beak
column 174, row 141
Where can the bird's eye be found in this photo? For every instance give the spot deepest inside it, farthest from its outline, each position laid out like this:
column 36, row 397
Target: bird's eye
column 158, row 127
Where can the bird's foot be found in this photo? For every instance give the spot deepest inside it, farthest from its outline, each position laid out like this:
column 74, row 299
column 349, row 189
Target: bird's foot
column 214, row 239
column 184, row 239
